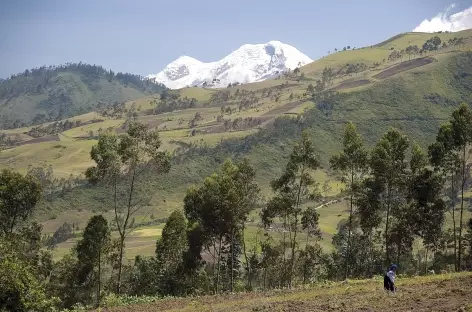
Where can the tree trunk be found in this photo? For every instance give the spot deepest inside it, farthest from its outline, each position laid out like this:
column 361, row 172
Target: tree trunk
column 371, row 257
column 292, row 260
column 265, row 277
column 295, row 229
column 454, row 233
column 99, row 277
column 248, row 266
column 348, row 249
column 232, row 263
column 387, row 256
column 426, row 262
column 218, row 266
column 398, row 254
column 120, row 264
column 459, row 258
column 123, row 227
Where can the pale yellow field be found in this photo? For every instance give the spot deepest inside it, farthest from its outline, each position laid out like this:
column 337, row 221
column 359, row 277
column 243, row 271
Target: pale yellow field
column 67, row 156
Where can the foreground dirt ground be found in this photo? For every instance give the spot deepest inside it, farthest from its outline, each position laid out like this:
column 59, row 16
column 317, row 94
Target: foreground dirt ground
column 431, row 293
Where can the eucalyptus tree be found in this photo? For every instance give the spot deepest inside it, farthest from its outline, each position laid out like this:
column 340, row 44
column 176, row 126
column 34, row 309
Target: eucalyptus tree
column 352, row 163
column 294, row 188
column 127, row 165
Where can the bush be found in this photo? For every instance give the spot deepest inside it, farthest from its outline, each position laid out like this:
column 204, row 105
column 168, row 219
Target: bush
column 114, row 300
column 20, row 290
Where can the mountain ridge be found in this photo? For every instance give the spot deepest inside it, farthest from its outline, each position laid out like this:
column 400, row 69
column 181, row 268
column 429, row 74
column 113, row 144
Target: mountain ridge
column 52, row 93
column 249, row 63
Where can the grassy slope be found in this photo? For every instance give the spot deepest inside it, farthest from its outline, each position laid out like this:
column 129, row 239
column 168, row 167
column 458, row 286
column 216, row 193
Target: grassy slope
column 376, row 53
column 397, row 101
column 447, row 292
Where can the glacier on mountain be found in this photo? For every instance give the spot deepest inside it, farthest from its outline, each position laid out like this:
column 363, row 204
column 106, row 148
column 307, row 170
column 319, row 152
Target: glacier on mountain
column 249, row 63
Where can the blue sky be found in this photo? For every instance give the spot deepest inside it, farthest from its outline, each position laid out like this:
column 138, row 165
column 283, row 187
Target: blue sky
column 142, row 36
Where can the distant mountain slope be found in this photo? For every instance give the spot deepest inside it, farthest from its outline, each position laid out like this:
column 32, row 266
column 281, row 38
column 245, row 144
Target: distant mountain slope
column 249, row 63
column 53, row 93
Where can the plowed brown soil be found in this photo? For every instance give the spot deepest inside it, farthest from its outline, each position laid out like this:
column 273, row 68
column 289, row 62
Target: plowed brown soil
column 404, row 67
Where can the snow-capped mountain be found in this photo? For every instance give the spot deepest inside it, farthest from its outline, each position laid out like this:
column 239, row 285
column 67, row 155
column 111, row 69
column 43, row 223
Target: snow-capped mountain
column 249, row 63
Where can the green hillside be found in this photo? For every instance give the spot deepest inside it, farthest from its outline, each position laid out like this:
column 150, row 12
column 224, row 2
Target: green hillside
column 414, row 93
column 53, row 93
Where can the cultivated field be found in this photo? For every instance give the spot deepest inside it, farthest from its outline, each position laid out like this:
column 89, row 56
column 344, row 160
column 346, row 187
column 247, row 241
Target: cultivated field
column 447, row 292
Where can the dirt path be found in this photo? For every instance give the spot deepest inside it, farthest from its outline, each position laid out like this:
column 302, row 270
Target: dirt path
column 436, row 293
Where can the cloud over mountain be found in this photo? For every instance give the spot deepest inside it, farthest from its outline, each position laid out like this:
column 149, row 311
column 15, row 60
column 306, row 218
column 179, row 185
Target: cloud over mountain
column 445, row 21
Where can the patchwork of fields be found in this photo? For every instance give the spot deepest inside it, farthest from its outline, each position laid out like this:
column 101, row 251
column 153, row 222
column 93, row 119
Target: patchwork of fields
column 412, row 95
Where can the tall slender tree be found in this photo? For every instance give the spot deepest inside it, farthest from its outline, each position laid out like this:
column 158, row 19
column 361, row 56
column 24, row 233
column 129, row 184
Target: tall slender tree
column 352, row 163
column 170, row 249
column 294, row 188
column 125, row 164
column 452, row 152
column 447, row 162
column 426, row 205
column 461, row 126
column 220, row 207
column 92, row 249
column 389, row 169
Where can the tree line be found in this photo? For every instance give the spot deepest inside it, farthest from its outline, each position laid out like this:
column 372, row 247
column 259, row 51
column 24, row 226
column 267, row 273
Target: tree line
column 396, row 194
column 58, row 127
column 170, row 102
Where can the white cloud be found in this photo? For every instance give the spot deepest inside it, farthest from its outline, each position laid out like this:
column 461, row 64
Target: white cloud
column 447, row 22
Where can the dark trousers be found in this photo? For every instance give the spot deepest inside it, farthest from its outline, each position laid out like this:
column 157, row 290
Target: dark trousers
column 388, row 285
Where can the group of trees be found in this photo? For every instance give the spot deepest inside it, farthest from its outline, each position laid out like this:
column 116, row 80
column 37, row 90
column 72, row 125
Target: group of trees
column 57, row 127
column 241, row 123
column 329, row 75
column 50, row 184
column 62, row 234
column 343, row 49
column 194, row 121
column 456, row 42
column 242, row 99
column 434, row 44
column 7, row 141
column 396, row 194
column 170, row 102
column 220, row 97
column 351, row 69
column 119, row 110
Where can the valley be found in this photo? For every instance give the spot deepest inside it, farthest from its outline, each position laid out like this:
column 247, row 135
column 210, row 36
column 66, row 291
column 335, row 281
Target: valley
column 202, row 126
